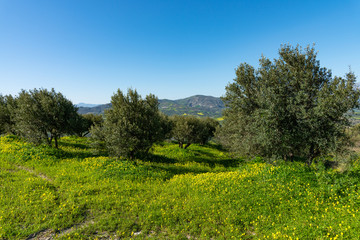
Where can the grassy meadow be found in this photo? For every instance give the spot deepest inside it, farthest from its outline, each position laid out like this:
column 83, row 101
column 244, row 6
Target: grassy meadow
column 77, row 192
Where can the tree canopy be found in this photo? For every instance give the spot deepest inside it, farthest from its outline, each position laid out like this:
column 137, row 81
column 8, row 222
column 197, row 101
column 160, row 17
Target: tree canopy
column 5, row 117
column 82, row 124
column 42, row 115
column 132, row 125
column 190, row 129
column 287, row 107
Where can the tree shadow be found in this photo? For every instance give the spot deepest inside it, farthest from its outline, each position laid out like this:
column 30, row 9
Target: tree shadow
column 64, row 153
column 212, row 159
column 215, row 146
column 157, row 158
column 79, row 155
column 173, row 170
column 74, row 145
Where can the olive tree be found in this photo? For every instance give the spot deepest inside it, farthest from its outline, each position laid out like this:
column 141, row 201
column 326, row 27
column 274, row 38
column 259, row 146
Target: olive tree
column 5, row 115
column 41, row 115
column 209, row 126
column 82, row 124
column 290, row 106
column 190, row 129
column 132, row 125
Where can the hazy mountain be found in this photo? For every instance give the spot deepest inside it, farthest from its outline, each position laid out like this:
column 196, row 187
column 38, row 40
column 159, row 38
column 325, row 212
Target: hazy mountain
column 99, row 109
column 196, row 105
column 86, row 105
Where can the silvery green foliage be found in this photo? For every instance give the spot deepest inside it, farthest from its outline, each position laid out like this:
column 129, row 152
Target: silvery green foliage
column 287, row 107
column 41, row 115
column 190, row 129
column 132, row 125
column 4, row 114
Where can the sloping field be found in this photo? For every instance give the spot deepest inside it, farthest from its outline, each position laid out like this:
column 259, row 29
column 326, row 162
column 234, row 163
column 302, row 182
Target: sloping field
column 199, row 193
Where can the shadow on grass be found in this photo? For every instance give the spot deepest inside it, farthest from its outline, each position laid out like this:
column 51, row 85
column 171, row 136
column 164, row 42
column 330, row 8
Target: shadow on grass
column 210, row 160
column 173, row 170
column 64, row 154
column 215, row 146
column 80, row 155
column 157, row 158
column 213, row 159
column 74, row 145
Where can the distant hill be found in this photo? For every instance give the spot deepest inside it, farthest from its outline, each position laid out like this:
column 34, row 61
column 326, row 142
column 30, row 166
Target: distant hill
column 198, row 105
column 99, row 109
column 86, row 105
column 355, row 116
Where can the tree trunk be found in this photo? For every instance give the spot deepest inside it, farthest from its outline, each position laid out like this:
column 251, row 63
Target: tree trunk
column 187, row 145
column 132, row 155
column 56, row 142
column 289, row 157
column 49, row 140
column 313, row 153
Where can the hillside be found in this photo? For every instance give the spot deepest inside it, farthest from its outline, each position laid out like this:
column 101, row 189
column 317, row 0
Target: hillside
column 99, row 109
column 86, row 105
column 197, row 193
column 198, row 105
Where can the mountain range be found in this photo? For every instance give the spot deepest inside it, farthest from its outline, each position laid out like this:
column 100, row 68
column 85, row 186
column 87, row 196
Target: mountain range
column 198, row 105
column 86, row 105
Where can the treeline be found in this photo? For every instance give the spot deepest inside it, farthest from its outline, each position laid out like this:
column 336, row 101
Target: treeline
column 41, row 115
column 128, row 129
column 288, row 108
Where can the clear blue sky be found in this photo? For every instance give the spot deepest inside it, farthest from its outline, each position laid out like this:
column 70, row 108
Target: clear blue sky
column 171, row 48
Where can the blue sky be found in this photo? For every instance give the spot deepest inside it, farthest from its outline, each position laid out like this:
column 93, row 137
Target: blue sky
column 173, row 49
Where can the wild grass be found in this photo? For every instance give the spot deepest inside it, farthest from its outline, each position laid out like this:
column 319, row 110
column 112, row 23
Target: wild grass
column 195, row 193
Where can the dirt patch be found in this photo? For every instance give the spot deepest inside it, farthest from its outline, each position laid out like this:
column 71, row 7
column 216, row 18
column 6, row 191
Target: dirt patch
column 75, row 227
column 47, row 234
column 40, row 175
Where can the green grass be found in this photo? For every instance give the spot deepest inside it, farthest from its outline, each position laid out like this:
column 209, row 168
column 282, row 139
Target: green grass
column 198, row 193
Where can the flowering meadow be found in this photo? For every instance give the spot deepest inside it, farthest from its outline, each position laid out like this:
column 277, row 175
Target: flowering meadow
column 77, row 192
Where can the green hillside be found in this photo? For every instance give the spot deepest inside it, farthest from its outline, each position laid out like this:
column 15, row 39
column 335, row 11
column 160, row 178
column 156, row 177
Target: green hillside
column 198, row 105
column 355, row 117
column 76, row 192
